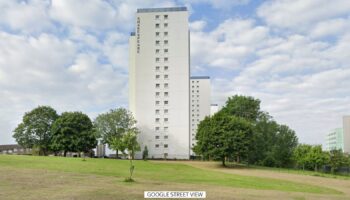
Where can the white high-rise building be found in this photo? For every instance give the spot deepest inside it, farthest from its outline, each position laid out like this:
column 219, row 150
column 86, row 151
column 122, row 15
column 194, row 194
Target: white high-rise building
column 346, row 134
column 159, row 81
column 200, row 104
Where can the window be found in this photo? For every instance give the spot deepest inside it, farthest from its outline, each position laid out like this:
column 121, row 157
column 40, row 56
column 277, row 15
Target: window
column 157, row 136
column 166, row 50
column 165, row 25
column 165, row 145
column 157, row 76
column 166, row 102
column 166, row 119
column 166, row 76
column 157, row 25
column 166, row 68
column 166, row 85
column 157, row 145
column 165, row 33
column 166, row 111
column 157, row 119
column 165, row 137
column 165, row 155
column 157, row 16
column 166, row 59
column 157, row 128
column 157, row 103
column 166, row 94
column 157, row 59
column 157, row 42
column 157, row 85
column 157, row 68
column 157, row 50
column 166, row 42
column 157, row 111
column 157, row 34
column 165, row 16
column 166, row 128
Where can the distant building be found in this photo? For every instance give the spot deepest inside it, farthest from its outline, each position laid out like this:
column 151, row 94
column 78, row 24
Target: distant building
column 334, row 140
column 214, row 108
column 339, row 138
column 14, row 149
column 346, row 134
column 200, row 104
column 101, row 150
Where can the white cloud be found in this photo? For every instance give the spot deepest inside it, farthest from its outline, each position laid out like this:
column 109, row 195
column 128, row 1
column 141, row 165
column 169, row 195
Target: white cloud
column 332, row 27
column 300, row 14
column 25, row 16
column 219, row 4
column 227, row 45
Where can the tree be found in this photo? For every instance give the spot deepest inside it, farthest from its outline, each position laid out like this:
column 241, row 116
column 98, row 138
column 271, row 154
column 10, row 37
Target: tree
column 242, row 106
column 223, row 136
column 300, row 155
column 35, row 129
column 145, row 153
column 336, row 160
column 73, row 132
column 112, row 125
column 129, row 140
column 317, row 157
column 285, row 143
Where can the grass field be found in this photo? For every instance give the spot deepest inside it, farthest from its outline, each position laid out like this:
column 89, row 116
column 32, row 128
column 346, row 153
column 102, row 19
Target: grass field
column 32, row 177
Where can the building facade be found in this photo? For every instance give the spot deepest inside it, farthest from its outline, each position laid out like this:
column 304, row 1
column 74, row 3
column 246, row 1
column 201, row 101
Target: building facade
column 159, row 71
column 200, row 104
column 339, row 138
column 214, row 108
column 334, row 140
column 346, row 134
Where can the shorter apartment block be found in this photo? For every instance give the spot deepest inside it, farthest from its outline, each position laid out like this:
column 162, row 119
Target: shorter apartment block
column 339, row 138
column 200, row 104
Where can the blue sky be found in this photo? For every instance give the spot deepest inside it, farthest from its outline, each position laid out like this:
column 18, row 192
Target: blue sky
column 294, row 55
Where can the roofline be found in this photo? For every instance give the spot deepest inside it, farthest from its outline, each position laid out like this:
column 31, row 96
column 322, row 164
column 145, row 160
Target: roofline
column 200, row 77
column 214, row 104
column 168, row 9
column 132, row 33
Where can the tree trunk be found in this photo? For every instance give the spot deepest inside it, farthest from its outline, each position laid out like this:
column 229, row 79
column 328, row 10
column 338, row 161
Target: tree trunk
column 65, row 153
column 238, row 159
column 223, row 162
column 316, row 168
column 116, row 154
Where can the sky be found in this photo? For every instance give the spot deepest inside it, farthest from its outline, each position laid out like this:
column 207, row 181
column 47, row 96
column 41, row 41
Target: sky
column 293, row 55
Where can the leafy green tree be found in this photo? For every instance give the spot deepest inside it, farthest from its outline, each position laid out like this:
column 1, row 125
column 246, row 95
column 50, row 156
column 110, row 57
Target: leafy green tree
column 131, row 146
column 73, row 132
column 300, row 155
column 285, row 143
column 35, row 129
column 264, row 140
column 242, row 106
column 223, row 136
column 145, row 153
column 112, row 125
column 273, row 144
column 317, row 157
column 337, row 159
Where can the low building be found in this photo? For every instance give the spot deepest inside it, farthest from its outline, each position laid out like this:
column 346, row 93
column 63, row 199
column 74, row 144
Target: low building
column 334, row 140
column 14, row 149
column 339, row 138
column 214, row 108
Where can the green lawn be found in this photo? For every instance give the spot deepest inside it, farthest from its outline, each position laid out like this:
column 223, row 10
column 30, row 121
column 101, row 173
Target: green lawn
column 159, row 172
